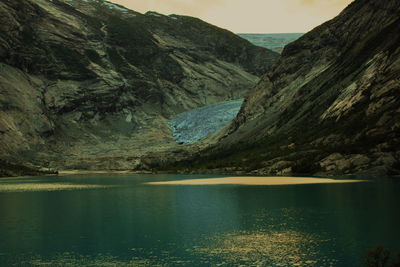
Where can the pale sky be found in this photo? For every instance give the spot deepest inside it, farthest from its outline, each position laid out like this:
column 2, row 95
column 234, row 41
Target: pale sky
column 248, row 16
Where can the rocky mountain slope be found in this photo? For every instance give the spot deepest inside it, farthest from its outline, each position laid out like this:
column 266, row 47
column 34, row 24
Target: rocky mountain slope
column 90, row 84
column 331, row 105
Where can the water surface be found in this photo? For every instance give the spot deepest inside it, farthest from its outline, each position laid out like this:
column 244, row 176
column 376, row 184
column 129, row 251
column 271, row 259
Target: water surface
column 117, row 220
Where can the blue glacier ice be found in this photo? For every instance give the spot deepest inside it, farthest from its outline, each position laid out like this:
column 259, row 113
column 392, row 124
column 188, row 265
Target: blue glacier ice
column 194, row 125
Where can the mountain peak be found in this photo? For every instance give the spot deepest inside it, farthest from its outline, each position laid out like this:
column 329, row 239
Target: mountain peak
column 333, row 92
column 93, row 84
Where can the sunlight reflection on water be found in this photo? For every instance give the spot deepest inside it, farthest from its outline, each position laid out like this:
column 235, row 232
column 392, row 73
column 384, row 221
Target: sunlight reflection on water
column 31, row 186
column 57, row 222
column 285, row 248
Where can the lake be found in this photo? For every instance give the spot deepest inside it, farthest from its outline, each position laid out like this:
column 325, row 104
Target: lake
column 118, row 220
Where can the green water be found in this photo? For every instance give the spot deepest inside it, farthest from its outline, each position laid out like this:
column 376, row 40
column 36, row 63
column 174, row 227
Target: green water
column 116, row 220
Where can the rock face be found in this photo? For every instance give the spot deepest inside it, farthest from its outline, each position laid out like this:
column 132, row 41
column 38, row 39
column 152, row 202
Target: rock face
column 330, row 106
column 90, row 84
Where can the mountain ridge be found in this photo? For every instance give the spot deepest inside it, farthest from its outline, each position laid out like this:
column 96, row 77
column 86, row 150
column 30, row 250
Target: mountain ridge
column 90, row 84
column 328, row 107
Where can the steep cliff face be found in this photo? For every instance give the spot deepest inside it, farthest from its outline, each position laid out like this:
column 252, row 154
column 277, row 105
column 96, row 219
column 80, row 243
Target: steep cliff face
column 92, row 84
column 330, row 106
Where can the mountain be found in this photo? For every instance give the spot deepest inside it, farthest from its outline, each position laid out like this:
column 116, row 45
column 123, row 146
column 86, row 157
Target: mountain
column 91, row 84
column 330, row 106
column 274, row 41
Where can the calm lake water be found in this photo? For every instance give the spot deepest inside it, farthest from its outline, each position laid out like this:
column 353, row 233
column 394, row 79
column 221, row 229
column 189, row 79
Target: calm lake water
column 116, row 220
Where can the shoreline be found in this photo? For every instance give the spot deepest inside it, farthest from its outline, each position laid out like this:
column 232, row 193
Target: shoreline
column 223, row 180
column 259, row 180
column 80, row 172
column 77, row 172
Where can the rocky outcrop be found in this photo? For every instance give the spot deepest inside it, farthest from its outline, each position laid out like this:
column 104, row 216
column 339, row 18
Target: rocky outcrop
column 330, row 106
column 90, row 84
column 8, row 169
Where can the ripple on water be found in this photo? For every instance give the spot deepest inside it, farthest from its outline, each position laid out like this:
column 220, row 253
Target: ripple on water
column 285, row 248
column 70, row 259
column 242, row 248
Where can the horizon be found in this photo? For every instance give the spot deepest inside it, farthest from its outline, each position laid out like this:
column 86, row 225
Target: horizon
column 269, row 32
column 260, row 17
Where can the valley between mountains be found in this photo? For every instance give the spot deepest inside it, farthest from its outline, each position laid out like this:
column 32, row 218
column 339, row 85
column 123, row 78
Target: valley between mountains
column 91, row 85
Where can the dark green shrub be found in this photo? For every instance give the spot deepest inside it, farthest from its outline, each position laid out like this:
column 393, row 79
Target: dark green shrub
column 381, row 257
